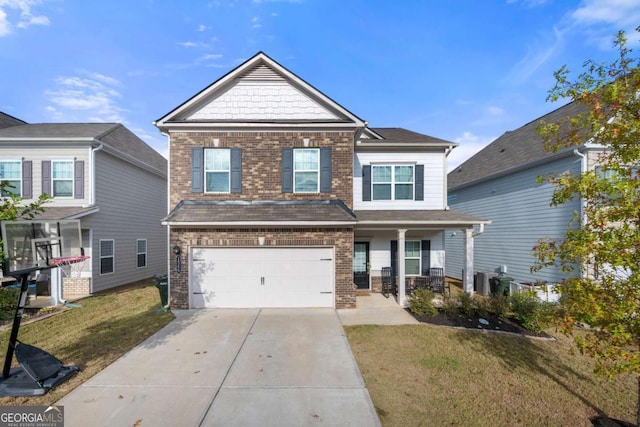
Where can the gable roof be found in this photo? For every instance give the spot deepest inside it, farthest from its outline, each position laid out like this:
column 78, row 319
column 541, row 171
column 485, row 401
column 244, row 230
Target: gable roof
column 514, row 149
column 234, row 99
column 119, row 140
column 8, row 121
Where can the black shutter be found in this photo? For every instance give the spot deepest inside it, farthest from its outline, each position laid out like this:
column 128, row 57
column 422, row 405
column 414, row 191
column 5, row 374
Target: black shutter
column 287, row 170
column 366, row 183
column 419, row 182
column 394, row 258
column 27, row 179
column 197, row 170
column 78, row 179
column 325, row 170
column 425, row 254
column 46, row 177
column 236, row 170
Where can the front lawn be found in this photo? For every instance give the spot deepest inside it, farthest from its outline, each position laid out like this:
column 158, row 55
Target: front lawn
column 91, row 336
column 424, row 375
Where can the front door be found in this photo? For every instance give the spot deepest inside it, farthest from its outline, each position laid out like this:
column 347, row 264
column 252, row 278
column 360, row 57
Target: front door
column 361, row 265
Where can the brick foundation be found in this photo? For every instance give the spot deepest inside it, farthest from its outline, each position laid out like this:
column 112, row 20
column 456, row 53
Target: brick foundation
column 76, row 287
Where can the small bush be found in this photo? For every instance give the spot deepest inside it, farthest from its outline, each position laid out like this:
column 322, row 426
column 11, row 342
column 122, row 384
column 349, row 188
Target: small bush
column 533, row 314
column 467, row 304
column 421, row 303
column 450, row 306
column 8, row 302
column 499, row 305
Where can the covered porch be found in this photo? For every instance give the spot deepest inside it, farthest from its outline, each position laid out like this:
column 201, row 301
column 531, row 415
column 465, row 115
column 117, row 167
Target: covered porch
column 411, row 244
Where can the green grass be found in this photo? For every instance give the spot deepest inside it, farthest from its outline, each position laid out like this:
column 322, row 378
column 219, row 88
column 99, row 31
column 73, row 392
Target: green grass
column 92, row 336
column 424, row 375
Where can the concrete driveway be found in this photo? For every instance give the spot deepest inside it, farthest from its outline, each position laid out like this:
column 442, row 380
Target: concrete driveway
column 233, row 367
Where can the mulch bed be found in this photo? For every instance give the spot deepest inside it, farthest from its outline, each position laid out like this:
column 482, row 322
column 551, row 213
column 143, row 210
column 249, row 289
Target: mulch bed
column 485, row 323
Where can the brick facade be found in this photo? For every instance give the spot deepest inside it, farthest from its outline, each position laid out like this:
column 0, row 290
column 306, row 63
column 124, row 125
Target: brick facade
column 261, row 164
column 262, row 180
column 76, row 287
column 341, row 239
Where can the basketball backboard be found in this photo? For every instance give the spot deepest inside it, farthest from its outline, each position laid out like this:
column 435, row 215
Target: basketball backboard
column 33, row 244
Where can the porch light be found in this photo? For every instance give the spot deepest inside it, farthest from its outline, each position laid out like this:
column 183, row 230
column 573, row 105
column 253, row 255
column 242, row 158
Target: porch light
column 261, row 241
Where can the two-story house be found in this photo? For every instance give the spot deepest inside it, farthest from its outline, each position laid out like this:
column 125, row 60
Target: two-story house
column 280, row 197
column 106, row 177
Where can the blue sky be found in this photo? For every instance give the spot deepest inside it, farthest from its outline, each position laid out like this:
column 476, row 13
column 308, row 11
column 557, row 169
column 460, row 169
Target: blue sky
column 463, row 70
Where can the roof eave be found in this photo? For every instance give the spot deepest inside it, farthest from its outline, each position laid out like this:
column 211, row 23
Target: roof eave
column 269, row 224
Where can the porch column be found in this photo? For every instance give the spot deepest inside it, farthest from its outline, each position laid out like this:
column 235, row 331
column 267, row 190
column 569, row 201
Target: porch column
column 467, row 284
column 402, row 300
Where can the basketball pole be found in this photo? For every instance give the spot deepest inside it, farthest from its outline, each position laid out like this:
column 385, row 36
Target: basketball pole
column 17, row 319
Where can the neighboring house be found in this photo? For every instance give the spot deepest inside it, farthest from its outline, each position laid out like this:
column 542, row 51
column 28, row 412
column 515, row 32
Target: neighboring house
column 500, row 183
column 280, row 197
column 106, row 177
column 7, row 121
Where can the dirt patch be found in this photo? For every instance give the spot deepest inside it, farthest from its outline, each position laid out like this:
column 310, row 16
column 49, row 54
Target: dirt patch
column 485, row 323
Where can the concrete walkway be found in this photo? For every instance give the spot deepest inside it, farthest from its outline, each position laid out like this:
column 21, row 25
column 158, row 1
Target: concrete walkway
column 238, row 367
column 374, row 309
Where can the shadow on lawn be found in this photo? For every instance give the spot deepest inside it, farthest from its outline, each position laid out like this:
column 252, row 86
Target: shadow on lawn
column 110, row 338
column 529, row 356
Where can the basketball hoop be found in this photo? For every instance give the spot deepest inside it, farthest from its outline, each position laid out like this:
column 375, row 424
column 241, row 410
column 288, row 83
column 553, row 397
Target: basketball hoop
column 71, row 266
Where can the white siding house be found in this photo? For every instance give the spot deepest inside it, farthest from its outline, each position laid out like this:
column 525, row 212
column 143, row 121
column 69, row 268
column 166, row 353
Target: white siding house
column 104, row 176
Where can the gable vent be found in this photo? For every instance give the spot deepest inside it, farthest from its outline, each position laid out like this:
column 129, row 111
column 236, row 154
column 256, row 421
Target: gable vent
column 262, row 73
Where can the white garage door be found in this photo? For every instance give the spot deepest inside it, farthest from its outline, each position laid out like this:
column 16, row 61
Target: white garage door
column 262, row 277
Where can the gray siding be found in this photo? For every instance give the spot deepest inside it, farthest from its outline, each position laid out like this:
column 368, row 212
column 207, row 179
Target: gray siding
column 132, row 203
column 520, row 211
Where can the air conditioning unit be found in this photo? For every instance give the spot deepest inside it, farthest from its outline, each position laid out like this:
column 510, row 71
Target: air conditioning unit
column 483, row 283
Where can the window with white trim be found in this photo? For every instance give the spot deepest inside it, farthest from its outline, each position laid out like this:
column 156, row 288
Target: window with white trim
column 306, row 170
column 141, row 252
column 107, row 256
column 412, row 257
column 392, row 182
column 11, row 172
column 62, row 178
column 217, row 170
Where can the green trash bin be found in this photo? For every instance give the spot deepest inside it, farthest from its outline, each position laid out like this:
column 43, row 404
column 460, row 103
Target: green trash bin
column 162, row 283
column 502, row 285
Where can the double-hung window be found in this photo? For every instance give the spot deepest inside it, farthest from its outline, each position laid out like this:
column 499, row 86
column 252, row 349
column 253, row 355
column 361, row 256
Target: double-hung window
column 62, row 178
column 141, row 251
column 412, row 257
column 306, row 170
column 11, row 173
column 393, row 182
column 107, row 256
column 217, row 170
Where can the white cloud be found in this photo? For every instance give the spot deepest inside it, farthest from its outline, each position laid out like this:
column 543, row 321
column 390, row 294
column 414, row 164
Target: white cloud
column 536, row 57
column 276, row 1
column 495, row 111
column 255, row 22
column 89, row 97
column 202, row 28
column 22, row 18
column 469, row 144
column 620, row 13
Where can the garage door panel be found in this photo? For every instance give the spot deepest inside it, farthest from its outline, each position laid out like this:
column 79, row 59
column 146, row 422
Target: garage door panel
column 262, row 277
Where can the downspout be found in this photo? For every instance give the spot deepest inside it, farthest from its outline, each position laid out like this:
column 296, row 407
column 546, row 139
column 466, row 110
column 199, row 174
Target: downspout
column 583, row 169
column 480, row 230
column 446, row 182
column 169, row 208
column 93, row 172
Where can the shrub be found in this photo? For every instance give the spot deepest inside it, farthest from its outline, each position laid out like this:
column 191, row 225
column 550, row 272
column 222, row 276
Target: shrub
column 533, row 314
column 421, row 303
column 451, row 306
column 467, row 304
column 8, row 302
column 499, row 305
